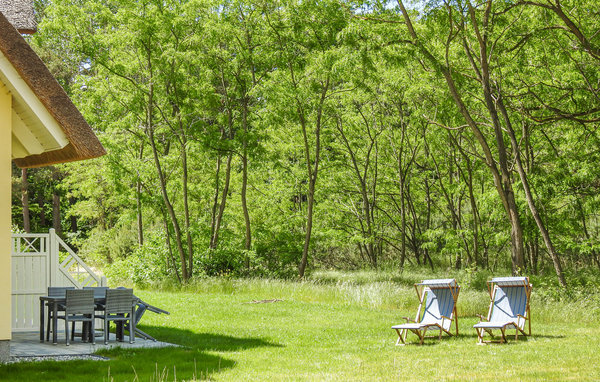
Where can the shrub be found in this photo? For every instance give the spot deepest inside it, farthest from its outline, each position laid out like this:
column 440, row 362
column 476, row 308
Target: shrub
column 147, row 265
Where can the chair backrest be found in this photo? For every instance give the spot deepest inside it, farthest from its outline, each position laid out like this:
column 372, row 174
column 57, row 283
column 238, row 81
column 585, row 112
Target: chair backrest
column 508, row 302
column 79, row 301
column 58, row 291
column 119, row 300
column 439, row 302
column 99, row 292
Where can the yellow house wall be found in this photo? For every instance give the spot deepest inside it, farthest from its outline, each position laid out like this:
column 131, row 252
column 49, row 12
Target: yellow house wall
column 5, row 212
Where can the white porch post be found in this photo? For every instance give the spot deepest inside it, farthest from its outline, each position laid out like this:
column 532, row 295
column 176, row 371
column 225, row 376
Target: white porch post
column 5, row 220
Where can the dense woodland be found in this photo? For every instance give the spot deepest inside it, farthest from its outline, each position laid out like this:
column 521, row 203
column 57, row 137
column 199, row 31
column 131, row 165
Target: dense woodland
column 253, row 137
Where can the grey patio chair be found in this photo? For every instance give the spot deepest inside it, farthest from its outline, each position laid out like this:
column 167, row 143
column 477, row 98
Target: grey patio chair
column 79, row 306
column 54, row 292
column 509, row 308
column 119, row 307
column 437, row 310
column 99, row 292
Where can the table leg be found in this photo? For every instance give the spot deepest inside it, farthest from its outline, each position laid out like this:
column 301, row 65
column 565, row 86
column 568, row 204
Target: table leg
column 55, row 322
column 42, row 321
column 85, row 329
column 119, row 332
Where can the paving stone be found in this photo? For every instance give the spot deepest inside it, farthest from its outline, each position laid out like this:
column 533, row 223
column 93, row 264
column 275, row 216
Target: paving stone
column 27, row 344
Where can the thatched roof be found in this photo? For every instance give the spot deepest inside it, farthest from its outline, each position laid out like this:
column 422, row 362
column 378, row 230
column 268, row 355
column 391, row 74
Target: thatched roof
column 82, row 142
column 20, row 14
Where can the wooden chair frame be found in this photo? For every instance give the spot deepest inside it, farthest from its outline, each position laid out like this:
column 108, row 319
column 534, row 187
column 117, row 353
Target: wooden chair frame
column 419, row 328
column 518, row 325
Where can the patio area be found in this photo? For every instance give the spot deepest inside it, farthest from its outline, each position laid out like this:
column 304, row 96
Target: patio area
column 27, row 344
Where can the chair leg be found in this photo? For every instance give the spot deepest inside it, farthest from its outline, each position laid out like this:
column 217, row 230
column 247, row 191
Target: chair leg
column 479, row 336
column 106, row 327
column 422, row 335
column 131, row 325
column 400, row 339
column 66, row 330
column 523, row 332
column 92, row 331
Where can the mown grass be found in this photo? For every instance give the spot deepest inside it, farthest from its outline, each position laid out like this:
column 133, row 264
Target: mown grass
column 334, row 327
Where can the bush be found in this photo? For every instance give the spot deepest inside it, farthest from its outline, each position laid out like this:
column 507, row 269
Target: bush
column 145, row 266
column 107, row 246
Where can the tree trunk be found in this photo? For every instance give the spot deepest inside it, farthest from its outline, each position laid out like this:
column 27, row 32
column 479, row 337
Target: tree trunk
column 138, row 202
column 215, row 236
column 401, row 187
column 312, row 172
column 529, row 197
column 518, row 251
column 248, row 233
column 468, row 179
column 215, row 203
column 73, row 218
column 186, row 209
column 149, row 130
column 168, row 205
column 368, row 231
column 309, row 224
column 42, row 205
column 171, row 257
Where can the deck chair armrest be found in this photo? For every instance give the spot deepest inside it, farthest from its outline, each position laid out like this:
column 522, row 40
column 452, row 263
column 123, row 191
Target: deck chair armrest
column 446, row 317
column 408, row 319
column 521, row 320
column 482, row 318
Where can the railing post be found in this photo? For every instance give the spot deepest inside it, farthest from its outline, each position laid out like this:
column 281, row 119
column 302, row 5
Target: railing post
column 53, row 250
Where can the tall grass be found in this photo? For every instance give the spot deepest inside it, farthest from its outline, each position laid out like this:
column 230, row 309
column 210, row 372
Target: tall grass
column 391, row 290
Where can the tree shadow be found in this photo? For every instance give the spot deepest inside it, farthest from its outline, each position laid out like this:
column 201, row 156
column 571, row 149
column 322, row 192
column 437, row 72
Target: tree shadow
column 205, row 341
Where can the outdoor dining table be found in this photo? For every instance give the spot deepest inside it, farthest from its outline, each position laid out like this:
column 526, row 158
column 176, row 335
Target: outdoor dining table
column 54, row 302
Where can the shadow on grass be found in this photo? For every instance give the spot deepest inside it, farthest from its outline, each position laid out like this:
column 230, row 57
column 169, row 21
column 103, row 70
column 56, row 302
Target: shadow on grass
column 190, row 361
column 205, row 341
column 433, row 340
column 533, row 336
column 123, row 365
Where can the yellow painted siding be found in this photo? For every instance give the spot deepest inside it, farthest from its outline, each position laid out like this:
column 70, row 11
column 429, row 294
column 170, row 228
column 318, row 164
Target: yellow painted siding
column 5, row 211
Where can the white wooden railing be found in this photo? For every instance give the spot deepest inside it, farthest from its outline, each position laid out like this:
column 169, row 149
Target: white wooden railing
column 40, row 261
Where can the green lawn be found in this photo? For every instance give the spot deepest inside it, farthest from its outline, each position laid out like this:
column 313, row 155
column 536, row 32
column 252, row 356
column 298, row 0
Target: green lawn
column 332, row 331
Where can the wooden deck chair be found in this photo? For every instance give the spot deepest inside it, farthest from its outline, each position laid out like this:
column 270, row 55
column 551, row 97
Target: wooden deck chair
column 437, row 310
column 509, row 308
